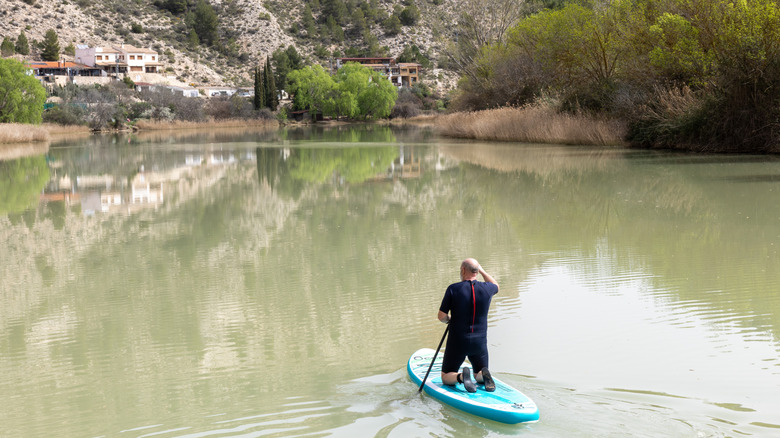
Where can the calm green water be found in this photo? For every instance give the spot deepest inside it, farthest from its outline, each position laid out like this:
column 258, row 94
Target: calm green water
column 274, row 284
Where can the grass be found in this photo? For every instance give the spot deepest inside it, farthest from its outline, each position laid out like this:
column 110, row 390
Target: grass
column 532, row 124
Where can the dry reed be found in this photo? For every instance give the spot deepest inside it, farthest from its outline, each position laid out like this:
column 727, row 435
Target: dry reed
column 58, row 130
column 532, row 124
column 22, row 133
column 423, row 120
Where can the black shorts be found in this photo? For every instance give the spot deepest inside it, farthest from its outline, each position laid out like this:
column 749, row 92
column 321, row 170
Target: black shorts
column 472, row 345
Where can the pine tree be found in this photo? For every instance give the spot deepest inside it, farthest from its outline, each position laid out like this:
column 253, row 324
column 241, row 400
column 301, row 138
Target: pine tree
column 51, row 46
column 22, row 45
column 205, row 23
column 259, row 99
column 7, row 47
column 271, row 100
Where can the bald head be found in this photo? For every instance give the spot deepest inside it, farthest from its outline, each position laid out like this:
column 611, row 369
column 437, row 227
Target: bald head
column 469, row 269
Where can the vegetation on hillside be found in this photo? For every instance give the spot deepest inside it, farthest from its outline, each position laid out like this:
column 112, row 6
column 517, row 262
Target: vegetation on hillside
column 682, row 73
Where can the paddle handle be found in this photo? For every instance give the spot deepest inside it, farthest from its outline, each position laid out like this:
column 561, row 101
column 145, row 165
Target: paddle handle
column 434, row 358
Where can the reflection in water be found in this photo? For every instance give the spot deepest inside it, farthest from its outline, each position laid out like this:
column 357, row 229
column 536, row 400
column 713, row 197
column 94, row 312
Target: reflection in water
column 273, row 280
column 20, row 182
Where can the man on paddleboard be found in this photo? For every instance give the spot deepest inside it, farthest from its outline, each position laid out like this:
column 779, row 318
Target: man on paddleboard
column 465, row 307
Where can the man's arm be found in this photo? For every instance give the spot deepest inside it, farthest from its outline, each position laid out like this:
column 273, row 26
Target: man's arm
column 487, row 277
column 443, row 317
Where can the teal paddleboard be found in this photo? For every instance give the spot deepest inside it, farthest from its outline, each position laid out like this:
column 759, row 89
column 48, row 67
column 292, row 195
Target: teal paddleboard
column 506, row 404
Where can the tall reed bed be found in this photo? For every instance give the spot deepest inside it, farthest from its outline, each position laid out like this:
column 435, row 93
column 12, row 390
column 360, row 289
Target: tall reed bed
column 22, row 133
column 532, row 124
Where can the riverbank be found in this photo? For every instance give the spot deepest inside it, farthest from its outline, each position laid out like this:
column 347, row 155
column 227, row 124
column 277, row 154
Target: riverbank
column 531, row 124
column 24, row 133
column 13, row 133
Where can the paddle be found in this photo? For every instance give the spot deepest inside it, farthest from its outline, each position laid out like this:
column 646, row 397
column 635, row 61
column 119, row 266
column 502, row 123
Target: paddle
column 434, row 358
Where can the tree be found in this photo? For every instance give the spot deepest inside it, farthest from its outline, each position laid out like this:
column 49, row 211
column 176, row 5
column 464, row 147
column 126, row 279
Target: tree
column 285, row 61
column 22, row 45
column 334, row 30
column 259, row 98
column 392, row 25
column 311, row 87
column 205, row 23
column 174, row 6
column 413, row 54
column 271, row 99
column 7, row 47
column 481, row 23
column 378, row 99
column 409, row 15
column 363, row 92
column 335, row 9
column 308, row 23
column 51, row 46
column 21, row 95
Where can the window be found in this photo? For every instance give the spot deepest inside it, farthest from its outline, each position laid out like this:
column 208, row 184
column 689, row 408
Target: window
column 153, row 58
column 99, row 57
column 132, row 57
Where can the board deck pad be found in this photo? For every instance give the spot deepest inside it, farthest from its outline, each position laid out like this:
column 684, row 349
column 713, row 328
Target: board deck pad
column 506, row 404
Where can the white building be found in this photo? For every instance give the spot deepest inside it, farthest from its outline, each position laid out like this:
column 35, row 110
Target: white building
column 122, row 59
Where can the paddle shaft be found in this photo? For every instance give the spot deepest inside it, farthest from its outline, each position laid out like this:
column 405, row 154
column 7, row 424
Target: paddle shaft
column 434, row 358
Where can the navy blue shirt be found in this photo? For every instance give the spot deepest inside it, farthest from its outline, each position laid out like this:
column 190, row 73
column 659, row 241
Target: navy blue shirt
column 468, row 311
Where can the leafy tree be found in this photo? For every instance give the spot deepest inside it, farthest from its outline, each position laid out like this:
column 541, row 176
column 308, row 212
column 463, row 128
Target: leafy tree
column 51, row 46
column 378, row 99
column 258, row 101
column 575, row 44
column 374, row 96
column 311, row 87
column 7, row 47
column 21, row 95
column 205, row 23
column 22, row 46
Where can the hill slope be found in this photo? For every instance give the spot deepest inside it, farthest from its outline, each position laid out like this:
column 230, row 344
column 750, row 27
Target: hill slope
column 248, row 31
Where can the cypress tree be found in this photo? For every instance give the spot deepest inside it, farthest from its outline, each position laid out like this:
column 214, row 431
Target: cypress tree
column 271, row 100
column 259, row 99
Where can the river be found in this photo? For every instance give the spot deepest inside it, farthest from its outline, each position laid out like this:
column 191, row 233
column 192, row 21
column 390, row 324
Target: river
column 275, row 283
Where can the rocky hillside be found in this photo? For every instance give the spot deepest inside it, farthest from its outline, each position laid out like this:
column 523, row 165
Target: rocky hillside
column 246, row 31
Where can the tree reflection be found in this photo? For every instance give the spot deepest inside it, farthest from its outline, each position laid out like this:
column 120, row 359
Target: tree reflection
column 21, row 182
